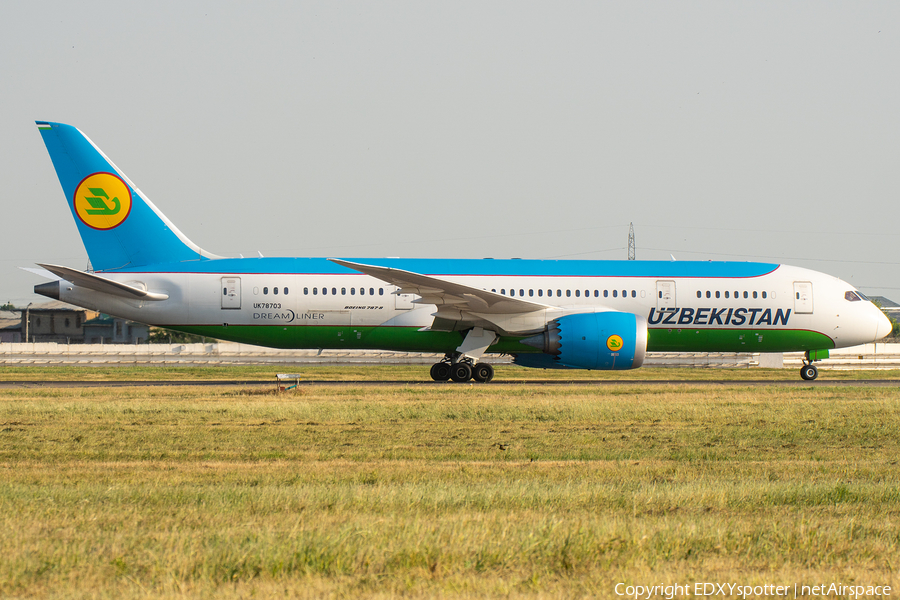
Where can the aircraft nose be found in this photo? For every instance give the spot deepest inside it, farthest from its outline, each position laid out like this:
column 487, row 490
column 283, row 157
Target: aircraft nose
column 883, row 327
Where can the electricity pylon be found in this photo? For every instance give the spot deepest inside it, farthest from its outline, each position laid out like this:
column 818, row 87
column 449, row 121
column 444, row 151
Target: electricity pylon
column 631, row 241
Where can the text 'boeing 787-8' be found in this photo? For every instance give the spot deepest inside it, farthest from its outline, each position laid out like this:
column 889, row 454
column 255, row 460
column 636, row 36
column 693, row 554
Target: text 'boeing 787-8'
column 546, row 313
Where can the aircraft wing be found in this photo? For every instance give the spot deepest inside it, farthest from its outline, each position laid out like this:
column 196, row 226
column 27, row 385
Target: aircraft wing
column 440, row 292
column 102, row 284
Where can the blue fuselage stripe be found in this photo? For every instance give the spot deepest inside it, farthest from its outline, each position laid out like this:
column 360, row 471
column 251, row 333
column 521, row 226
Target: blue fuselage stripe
column 470, row 267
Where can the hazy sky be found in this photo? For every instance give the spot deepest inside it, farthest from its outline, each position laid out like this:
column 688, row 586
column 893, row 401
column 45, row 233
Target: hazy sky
column 725, row 131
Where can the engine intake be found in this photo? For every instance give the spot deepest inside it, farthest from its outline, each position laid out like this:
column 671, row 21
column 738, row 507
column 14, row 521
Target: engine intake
column 601, row 340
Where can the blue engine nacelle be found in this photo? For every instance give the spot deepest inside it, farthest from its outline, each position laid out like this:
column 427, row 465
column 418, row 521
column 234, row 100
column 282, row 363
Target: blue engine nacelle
column 601, row 340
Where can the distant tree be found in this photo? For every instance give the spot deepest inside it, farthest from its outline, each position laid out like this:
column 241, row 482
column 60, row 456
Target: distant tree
column 159, row 335
column 8, row 306
column 895, row 331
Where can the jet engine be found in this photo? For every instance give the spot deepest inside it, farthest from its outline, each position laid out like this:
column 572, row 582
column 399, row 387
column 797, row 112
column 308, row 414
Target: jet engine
column 601, row 340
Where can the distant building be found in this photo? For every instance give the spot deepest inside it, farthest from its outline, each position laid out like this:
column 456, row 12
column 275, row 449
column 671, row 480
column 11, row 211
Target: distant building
column 66, row 324
column 54, row 322
column 10, row 327
column 104, row 329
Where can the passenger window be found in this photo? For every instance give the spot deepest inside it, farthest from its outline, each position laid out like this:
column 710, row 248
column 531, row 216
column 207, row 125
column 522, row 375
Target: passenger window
column 633, row 294
column 512, row 292
column 754, row 295
column 503, row 291
column 531, row 292
column 746, row 295
column 522, row 293
column 699, row 294
column 568, row 293
column 540, row 293
column 624, row 293
column 606, row 294
column 362, row 291
column 371, row 291
column 717, row 294
column 352, row 291
column 596, row 293
column 324, row 291
column 306, row 291
column 275, row 291
column 285, row 290
column 315, row 291
column 578, row 293
column 726, row 293
column 708, row 295
column 381, row 291
column 615, row 293
column 265, row 291
column 343, row 291
column 764, row 295
column 558, row 293
column 334, row 291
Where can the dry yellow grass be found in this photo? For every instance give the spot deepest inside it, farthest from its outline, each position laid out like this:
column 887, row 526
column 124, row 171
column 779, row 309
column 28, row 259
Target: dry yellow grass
column 457, row 491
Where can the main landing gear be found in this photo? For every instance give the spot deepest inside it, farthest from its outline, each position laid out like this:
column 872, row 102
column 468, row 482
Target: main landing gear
column 463, row 365
column 461, row 371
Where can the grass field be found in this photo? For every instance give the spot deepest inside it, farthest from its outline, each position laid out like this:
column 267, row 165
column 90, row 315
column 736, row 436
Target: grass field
column 411, row 373
column 457, row 490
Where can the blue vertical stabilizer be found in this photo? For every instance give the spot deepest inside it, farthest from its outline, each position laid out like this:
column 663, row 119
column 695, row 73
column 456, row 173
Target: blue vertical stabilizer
column 118, row 225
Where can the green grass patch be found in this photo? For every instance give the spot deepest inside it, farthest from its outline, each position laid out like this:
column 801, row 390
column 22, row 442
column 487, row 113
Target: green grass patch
column 456, row 491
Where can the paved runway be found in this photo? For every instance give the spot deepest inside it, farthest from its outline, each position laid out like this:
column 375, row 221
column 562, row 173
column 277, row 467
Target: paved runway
column 74, row 383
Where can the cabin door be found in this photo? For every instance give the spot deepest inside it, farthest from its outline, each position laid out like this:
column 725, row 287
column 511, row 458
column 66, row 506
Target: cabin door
column 665, row 294
column 803, row 298
column 231, row 292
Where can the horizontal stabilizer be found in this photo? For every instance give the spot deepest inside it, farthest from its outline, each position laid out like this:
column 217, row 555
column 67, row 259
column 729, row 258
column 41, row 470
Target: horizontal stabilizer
column 41, row 273
column 101, row 284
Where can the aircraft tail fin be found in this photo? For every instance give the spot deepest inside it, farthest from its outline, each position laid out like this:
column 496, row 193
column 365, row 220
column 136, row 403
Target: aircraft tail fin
column 119, row 226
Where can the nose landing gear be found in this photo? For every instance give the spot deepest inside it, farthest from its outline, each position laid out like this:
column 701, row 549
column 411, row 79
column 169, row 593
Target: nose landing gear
column 809, row 372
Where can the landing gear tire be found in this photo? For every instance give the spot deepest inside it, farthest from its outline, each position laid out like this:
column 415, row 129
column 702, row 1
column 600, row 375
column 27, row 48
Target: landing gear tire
column 460, row 372
column 809, row 372
column 483, row 372
column 440, row 371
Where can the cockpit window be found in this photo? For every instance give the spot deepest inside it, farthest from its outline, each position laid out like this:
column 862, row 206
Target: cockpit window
column 863, row 296
column 851, row 296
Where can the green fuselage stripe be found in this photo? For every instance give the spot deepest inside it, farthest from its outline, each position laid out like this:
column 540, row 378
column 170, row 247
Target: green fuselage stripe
column 410, row 339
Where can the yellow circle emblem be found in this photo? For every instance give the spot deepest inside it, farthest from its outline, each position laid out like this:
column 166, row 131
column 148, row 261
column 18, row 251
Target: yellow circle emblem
column 614, row 343
column 102, row 201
